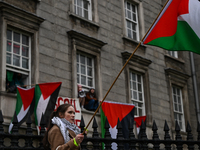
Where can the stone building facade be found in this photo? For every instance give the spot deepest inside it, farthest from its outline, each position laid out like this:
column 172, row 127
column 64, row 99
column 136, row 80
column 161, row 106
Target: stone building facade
column 87, row 42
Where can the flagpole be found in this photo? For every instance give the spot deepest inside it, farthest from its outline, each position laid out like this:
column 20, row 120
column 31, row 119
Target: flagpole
column 124, row 67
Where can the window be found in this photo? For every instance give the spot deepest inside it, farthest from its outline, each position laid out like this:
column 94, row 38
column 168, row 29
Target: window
column 85, row 70
column 179, row 102
column 137, row 94
column 131, row 21
column 137, row 85
column 18, row 58
column 83, row 8
column 19, row 53
column 173, row 53
column 18, row 50
column 86, row 66
column 178, row 107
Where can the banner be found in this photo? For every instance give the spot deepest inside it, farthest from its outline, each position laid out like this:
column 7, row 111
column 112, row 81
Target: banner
column 75, row 103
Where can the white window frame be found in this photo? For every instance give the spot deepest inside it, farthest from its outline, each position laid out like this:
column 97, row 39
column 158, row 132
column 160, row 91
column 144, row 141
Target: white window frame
column 173, row 53
column 76, row 6
column 136, row 22
column 79, row 74
column 26, row 73
column 178, row 107
column 136, row 101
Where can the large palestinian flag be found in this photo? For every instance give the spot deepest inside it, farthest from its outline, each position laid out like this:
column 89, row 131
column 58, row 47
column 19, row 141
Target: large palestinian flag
column 25, row 104
column 177, row 27
column 45, row 100
column 112, row 111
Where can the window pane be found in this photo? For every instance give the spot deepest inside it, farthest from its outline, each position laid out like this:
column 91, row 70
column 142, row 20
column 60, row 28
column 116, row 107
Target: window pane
column 129, row 33
column 128, row 24
column 128, row 14
column 133, row 8
column 79, row 2
column 82, row 59
column 133, row 26
column 78, row 78
column 89, row 61
column 77, row 67
column 89, row 71
column 139, row 87
column 77, row 58
column 140, row 112
column 16, row 37
column 9, row 35
column 131, row 85
column 79, row 11
column 25, row 40
column 83, row 69
column 128, row 6
column 89, row 82
column 85, row 14
column 134, row 86
column 9, row 46
column 133, row 77
column 134, row 95
column 180, row 108
column 134, row 36
column 176, row 107
column 16, row 60
column 16, row 48
column 25, row 51
column 85, row 3
column 140, row 96
column 8, row 58
column 134, row 16
column 24, row 63
column 83, row 80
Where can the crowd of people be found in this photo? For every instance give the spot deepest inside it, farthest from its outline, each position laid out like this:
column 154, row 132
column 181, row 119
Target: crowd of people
column 87, row 100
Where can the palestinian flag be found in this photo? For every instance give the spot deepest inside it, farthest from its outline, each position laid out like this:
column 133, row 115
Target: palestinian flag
column 138, row 121
column 177, row 27
column 112, row 111
column 45, row 100
column 25, row 104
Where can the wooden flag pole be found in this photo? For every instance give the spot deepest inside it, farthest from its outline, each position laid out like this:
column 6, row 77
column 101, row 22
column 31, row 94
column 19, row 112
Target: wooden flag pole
column 124, row 67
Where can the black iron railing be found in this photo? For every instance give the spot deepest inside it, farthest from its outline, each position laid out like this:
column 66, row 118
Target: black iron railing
column 29, row 141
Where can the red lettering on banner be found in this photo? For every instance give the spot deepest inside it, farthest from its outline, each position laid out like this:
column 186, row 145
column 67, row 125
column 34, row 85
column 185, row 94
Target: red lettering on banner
column 76, row 122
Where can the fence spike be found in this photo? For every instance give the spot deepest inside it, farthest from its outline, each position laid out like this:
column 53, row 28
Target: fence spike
column 131, row 134
column 143, row 131
column 82, row 125
column 29, row 122
column 42, row 125
column 189, row 132
column 15, row 124
column 107, row 126
column 154, row 128
column 166, row 129
column 95, row 126
column 119, row 128
column 120, row 134
column 177, row 129
column 198, row 130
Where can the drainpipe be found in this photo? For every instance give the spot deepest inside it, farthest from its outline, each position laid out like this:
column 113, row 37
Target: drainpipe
column 195, row 86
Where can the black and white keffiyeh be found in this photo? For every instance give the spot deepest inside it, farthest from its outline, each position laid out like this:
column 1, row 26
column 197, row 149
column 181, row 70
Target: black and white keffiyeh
column 64, row 125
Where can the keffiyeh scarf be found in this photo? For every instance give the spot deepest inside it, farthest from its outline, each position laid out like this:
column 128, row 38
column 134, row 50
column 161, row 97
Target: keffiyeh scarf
column 64, row 125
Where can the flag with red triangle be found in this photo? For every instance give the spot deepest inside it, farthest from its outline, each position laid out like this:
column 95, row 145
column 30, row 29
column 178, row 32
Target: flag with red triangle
column 45, row 100
column 24, row 104
column 138, row 121
column 114, row 111
column 177, row 27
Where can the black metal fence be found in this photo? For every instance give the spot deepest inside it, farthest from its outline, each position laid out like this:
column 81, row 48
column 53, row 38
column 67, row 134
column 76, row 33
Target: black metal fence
column 29, row 141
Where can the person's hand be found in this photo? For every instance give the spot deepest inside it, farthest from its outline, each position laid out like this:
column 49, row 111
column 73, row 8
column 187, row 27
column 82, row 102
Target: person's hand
column 79, row 138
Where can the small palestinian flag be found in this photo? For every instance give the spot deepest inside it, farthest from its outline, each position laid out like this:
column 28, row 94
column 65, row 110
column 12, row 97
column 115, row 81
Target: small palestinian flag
column 112, row 111
column 25, row 104
column 138, row 121
column 45, row 100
